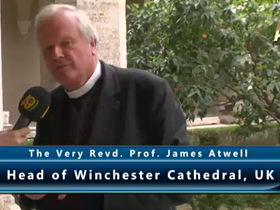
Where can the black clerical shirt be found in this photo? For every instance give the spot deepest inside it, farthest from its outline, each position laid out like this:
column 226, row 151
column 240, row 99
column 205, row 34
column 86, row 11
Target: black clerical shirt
column 78, row 116
column 77, row 123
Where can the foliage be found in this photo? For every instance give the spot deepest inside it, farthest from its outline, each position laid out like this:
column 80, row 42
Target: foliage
column 259, row 135
column 236, row 201
column 206, row 49
column 228, row 136
column 225, row 136
column 234, row 135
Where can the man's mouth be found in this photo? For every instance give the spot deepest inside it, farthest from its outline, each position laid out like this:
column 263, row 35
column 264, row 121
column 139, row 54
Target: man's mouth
column 61, row 66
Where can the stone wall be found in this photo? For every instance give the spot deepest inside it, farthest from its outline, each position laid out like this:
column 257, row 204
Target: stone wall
column 109, row 18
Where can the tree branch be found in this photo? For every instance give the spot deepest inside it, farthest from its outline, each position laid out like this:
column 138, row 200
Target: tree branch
column 231, row 76
column 231, row 89
column 223, row 104
column 272, row 115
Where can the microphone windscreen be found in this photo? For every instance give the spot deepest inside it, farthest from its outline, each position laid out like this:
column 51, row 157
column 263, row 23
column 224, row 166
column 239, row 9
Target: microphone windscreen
column 35, row 103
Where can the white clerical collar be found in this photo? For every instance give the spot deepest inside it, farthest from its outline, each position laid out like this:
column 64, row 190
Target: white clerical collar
column 89, row 84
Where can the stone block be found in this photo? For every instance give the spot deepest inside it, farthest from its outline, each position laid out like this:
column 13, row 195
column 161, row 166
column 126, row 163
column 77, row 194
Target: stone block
column 204, row 121
column 109, row 19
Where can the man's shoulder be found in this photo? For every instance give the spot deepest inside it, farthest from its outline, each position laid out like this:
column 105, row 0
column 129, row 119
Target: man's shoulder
column 139, row 77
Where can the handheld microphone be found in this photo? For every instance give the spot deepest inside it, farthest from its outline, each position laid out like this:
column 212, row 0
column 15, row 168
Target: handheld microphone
column 33, row 106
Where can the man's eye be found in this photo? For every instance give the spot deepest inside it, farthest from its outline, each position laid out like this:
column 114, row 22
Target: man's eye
column 48, row 49
column 67, row 43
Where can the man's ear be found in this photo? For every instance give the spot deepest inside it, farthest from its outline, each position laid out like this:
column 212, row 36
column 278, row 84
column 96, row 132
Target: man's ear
column 93, row 46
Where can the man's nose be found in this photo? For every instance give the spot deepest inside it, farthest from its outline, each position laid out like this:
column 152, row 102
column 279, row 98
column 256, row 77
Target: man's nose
column 57, row 52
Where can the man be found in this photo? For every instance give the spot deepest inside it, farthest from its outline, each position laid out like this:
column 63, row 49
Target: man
column 100, row 104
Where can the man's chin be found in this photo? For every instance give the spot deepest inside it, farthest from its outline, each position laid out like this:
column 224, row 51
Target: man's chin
column 67, row 81
column 64, row 74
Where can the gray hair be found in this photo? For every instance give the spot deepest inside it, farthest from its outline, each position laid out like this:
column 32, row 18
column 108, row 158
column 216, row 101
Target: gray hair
column 85, row 25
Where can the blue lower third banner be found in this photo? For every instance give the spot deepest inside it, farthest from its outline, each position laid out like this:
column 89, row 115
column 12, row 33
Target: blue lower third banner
column 140, row 177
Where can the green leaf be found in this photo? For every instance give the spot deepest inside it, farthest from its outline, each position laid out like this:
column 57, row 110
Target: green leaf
column 210, row 48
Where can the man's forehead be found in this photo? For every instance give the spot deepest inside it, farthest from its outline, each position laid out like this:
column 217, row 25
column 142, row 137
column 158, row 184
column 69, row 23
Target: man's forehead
column 55, row 33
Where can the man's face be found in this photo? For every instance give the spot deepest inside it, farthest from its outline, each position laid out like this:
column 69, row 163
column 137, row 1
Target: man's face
column 68, row 55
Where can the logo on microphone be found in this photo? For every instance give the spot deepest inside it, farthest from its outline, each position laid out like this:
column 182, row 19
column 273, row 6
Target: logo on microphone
column 29, row 103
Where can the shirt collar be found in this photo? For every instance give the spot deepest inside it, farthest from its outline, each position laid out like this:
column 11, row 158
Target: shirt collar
column 89, row 84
